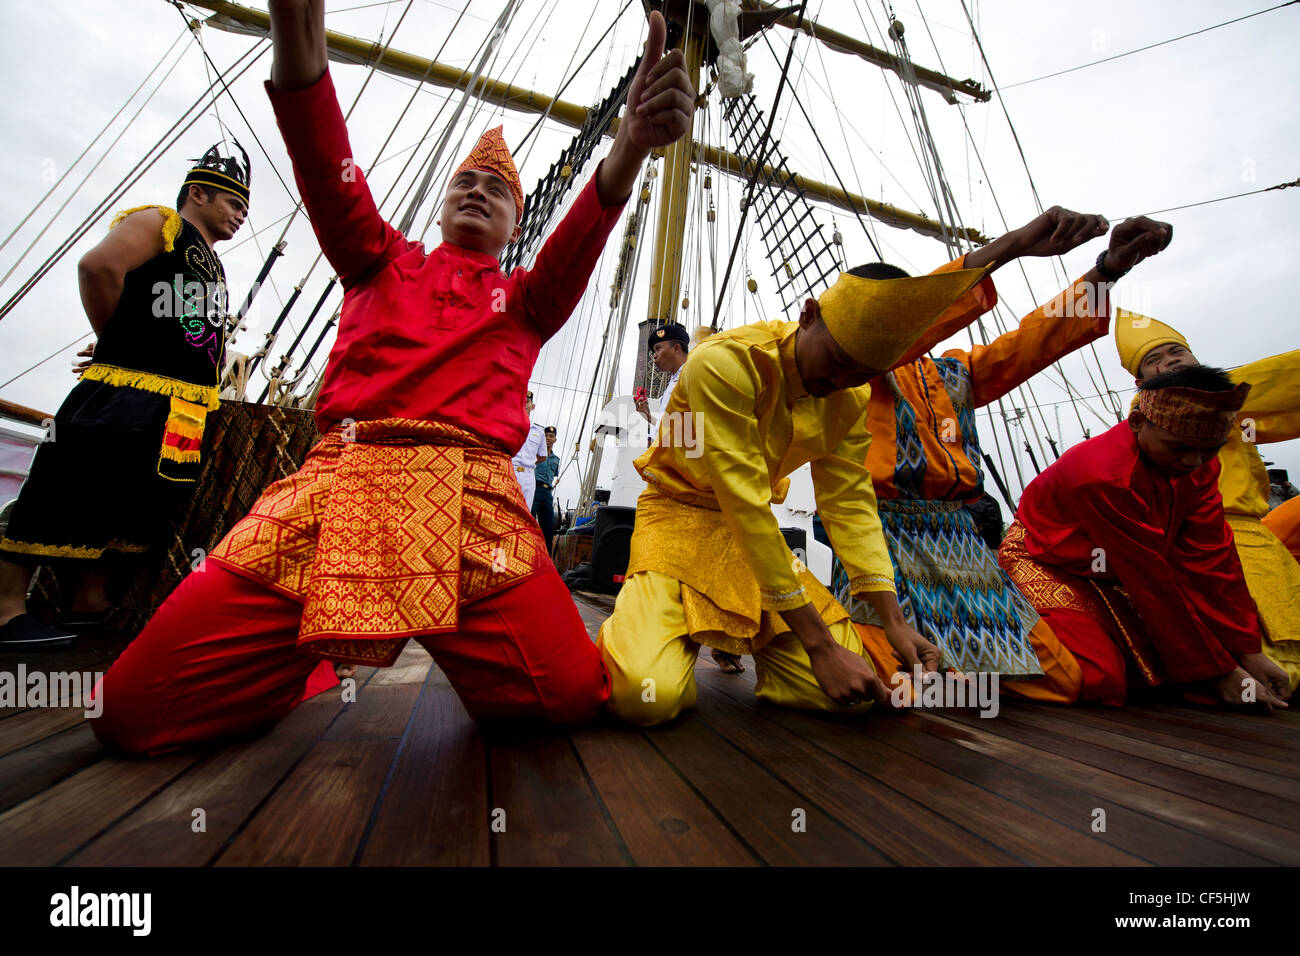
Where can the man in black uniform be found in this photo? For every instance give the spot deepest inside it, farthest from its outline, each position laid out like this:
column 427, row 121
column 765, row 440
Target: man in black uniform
column 123, row 455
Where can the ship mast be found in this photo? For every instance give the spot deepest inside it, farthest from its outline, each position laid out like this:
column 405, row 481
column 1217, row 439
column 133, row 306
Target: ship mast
column 235, row 18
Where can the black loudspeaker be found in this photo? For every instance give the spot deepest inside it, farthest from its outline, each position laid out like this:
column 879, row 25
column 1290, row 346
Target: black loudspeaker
column 796, row 539
column 611, row 548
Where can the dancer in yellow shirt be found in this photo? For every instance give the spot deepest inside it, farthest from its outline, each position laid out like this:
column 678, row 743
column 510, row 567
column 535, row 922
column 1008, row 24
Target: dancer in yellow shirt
column 708, row 563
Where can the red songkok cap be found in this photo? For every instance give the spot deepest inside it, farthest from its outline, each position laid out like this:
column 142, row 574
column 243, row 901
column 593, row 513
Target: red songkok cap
column 493, row 156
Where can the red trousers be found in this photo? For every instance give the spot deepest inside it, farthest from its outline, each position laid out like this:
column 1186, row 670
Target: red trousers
column 1105, row 672
column 219, row 659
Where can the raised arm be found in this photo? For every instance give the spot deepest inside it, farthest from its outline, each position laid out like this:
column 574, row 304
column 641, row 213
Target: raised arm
column 354, row 237
column 660, row 108
column 299, row 55
column 1078, row 315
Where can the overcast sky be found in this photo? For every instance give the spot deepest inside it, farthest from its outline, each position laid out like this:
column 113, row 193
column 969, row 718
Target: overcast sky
column 1189, row 121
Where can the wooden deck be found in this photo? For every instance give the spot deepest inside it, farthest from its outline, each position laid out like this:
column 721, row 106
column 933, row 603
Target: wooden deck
column 403, row 777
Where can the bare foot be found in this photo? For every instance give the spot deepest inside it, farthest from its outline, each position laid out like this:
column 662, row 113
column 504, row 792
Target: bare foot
column 344, row 671
column 727, row 663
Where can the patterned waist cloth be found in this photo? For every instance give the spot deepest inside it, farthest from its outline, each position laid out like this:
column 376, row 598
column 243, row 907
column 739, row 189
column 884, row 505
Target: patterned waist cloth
column 1049, row 588
column 388, row 527
column 951, row 589
column 720, row 594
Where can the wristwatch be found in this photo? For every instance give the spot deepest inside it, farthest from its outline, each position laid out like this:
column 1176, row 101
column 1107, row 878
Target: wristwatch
column 1108, row 274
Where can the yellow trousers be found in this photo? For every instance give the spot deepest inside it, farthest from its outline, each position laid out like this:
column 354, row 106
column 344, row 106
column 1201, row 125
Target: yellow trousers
column 650, row 657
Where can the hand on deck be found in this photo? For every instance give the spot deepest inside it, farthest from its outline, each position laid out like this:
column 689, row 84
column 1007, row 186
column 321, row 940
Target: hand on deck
column 847, row 678
column 1268, row 673
column 1232, row 688
column 911, row 648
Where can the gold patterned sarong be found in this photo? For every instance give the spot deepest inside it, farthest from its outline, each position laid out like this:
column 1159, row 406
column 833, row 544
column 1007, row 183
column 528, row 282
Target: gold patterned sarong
column 720, row 594
column 386, row 530
column 1050, row 588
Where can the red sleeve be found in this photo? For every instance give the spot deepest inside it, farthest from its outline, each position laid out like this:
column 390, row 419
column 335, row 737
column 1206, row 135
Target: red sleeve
column 554, row 285
column 354, row 237
column 1179, row 615
column 1215, row 583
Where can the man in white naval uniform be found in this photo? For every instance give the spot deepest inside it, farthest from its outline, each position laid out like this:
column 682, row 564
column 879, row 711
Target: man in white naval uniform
column 532, row 454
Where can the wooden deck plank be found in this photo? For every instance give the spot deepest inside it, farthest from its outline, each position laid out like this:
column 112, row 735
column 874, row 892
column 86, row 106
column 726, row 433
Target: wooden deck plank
column 36, row 724
column 1185, row 733
column 384, row 700
column 229, row 785
column 662, row 821
column 756, row 804
column 26, row 772
column 1146, row 837
column 318, row 815
column 1082, row 726
column 540, row 793
column 1071, row 742
column 434, row 811
column 1280, row 729
column 46, row 828
column 990, row 821
column 883, row 817
column 1037, row 752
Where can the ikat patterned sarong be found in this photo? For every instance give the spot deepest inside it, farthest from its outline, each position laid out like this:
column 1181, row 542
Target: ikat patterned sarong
column 952, row 590
column 387, row 529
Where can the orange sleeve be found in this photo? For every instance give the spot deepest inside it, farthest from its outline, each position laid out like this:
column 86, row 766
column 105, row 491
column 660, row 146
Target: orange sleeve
column 1053, row 330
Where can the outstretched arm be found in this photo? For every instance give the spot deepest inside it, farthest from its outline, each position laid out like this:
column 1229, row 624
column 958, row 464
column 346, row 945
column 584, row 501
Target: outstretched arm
column 1078, row 315
column 297, row 43
column 660, row 108
column 352, row 234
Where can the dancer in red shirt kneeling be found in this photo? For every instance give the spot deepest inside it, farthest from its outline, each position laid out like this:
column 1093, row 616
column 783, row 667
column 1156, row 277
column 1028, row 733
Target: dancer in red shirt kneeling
column 406, row 520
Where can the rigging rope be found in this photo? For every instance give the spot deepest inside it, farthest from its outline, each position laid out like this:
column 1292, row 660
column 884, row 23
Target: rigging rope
column 761, row 158
column 494, row 37
column 84, row 179
column 121, row 187
column 1150, row 46
column 92, row 143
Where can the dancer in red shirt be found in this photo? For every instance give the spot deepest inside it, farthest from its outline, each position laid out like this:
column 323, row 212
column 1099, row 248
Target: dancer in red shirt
column 406, row 520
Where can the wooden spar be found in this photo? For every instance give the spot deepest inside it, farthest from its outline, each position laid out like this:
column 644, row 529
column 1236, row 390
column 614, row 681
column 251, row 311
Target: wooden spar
column 234, row 18
column 843, row 43
column 732, row 164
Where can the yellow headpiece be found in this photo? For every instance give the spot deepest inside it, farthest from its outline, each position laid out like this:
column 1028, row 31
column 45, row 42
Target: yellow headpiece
column 877, row 320
column 1136, row 335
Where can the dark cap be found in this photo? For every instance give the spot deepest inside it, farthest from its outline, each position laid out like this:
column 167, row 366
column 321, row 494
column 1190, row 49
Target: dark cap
column 673, row 332
column 549, row 430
